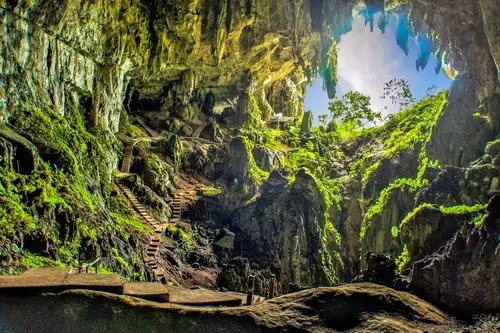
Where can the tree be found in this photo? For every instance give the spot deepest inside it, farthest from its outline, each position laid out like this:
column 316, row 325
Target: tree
column 432, row 90
column 353, row 107
column 323, row 120
column 399, row 93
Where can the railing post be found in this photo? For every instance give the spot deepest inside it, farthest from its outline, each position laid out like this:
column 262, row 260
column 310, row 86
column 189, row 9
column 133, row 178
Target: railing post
column 87, row 269
column 251, row 288
column 96, row 266
column 272, row 285
column 80, row 268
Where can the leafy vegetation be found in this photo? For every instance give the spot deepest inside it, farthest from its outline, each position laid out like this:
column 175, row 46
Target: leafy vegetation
column 354, row 108
column 403, row 259
column 179, row 234
column 409, row 129
column 210, row 191
column 329, row 70
column 71, row 184
column 398, row 91
column 258, row 175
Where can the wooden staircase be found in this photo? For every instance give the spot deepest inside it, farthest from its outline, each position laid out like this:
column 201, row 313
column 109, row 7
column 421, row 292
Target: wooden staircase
column 155, row 240
column 129, row 149
column 182, row 198
column 176, row 208
column 198, row 130
column 127, row 157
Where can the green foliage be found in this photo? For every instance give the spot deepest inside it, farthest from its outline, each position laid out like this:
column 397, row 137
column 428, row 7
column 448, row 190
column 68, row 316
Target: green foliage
column 258, row 175
column 81, row 156
column 402, row 260
column 462, row 209
column 331, row 240
column 253, row 113
column 178, row 233
column 73, row 179
column 306, row 157
column 35, row 261
column 210, row 191
column 399, row 93
column 394, row 231
column 478, row 209
column 479, row 219
column 353, row 107
column 409, row 129
column 414, row 212
column 406, row 130
column 329, row 70
column 14, row 214
column 121, row 261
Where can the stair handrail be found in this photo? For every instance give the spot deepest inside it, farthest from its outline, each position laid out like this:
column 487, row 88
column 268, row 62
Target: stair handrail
column 87, row 265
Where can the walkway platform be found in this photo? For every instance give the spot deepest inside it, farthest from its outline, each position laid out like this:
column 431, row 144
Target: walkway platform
column 56, row 280
column 202, row 297
column 153, row 291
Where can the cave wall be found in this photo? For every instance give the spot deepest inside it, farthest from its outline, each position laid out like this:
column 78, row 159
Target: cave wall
column 174, row 53
column 171, row 51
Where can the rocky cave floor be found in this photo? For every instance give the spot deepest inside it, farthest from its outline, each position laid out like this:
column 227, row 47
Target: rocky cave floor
column 362, row 307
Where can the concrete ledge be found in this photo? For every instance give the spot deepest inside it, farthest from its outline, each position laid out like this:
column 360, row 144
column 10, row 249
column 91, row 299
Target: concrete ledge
column 153, row 291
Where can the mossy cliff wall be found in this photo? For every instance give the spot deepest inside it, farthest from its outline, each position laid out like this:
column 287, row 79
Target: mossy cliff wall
column 71, row 68
column 62, row 50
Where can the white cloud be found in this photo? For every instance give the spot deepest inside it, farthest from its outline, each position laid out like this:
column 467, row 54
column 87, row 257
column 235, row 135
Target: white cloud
column 365, row 61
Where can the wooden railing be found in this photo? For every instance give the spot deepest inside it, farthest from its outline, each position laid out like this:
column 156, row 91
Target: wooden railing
column 85, row 267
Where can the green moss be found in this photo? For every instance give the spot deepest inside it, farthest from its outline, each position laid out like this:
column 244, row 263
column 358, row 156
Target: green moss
column 331, row 240
column 402, row 260
column 479, row 220
column 253, row 113
column 210, row 191
column 72, row 181
column 186, row 239
column 258, row 175
column 31, row 260
column 394, row 231
column 14, row 214
column 329, row 70
column 121, row 261
column 126, row 222
column 369, row 171
column 80, row 155
column 406, row 130
column 462, row 209
column 409, row 129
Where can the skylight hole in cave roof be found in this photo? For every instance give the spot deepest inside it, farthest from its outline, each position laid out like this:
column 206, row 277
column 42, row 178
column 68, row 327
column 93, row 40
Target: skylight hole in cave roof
column 367, row 59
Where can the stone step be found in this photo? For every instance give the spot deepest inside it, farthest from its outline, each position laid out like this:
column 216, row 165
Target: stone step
column 158, row 272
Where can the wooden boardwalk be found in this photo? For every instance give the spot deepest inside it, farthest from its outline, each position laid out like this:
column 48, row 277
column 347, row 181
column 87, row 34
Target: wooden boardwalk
column 155, row 240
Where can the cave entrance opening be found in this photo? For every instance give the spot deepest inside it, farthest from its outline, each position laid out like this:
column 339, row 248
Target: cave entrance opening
column 372, row 53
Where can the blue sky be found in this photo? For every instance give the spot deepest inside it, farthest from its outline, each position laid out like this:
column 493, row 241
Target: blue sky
column 368, row 59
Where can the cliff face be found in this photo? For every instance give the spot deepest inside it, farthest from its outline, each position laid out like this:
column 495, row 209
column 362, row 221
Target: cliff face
column 76, row 74
column 167, row 53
